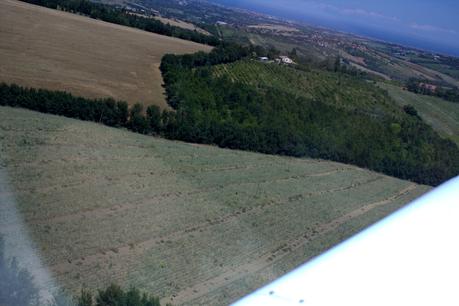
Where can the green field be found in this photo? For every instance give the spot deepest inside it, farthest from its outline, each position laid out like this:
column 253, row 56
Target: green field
column 442, row 115
column 193, row 224
column 337, row 89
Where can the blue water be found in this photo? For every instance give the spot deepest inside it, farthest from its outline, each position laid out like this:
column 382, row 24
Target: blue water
column 385, row 35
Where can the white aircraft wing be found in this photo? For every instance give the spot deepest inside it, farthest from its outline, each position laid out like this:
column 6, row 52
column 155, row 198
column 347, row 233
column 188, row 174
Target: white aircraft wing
column 409, row 258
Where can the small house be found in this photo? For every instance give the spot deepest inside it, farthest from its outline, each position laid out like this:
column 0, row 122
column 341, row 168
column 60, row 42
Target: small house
column 286, row 60
column 429, row 87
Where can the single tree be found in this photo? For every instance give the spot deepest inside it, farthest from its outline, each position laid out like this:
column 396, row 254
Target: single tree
column 137, row 121
column 154, row 118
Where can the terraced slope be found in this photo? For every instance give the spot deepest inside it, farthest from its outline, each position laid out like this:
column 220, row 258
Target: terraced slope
column 193, row 224
column 442, row 115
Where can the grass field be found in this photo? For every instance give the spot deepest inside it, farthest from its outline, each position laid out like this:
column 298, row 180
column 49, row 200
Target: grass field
column 442, row 115
column 194, row 224
column 55, row 50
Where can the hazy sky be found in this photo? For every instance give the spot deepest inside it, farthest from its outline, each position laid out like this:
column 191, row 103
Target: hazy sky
column 432, row 24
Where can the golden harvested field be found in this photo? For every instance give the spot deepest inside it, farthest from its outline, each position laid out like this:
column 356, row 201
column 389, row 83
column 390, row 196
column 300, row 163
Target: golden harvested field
column 182, row 24
column 46, row 48
column 173, row 22
column 194, row 224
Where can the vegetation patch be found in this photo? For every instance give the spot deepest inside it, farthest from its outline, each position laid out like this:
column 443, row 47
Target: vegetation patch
column 442, row 115
column 302, row 112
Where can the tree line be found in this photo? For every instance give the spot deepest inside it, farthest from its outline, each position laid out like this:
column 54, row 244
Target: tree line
column 232, row 115
column 448, row 94
column 105, row 111
column 221, row 111
column 112, row 14
column 114, row 295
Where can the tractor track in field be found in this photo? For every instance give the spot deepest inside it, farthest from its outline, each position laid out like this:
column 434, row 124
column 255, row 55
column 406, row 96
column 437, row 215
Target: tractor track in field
column 139, row 246
column 139, row 174
column 102, row 212
column 102, row 180
column 268, row 258
column 195, row 223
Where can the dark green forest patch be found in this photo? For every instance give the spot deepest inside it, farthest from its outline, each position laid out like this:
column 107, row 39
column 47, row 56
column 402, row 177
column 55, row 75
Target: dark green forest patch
column 315, row 113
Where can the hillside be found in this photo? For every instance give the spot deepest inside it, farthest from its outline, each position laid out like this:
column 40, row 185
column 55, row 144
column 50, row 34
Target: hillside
column 271, row 108
column 310, row 43
column 337, row 89
column 194, row 223
column 86, row 57
column 442, row 115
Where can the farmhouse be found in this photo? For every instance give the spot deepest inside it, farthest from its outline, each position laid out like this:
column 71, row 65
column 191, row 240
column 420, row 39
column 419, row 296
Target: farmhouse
column 286, row 59
column 139, row 9
column 427, row 86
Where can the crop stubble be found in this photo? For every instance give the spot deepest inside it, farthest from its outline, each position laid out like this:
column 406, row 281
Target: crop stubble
column 50, row 49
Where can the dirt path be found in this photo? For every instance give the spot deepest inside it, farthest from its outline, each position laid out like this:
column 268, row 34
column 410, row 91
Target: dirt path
column 267, row 259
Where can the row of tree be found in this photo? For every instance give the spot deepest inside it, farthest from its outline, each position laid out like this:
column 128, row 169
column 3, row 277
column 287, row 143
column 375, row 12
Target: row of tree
column 114, row 295
column 233, row 115
column 419, row 87
column 224, row 112
column 106, row 111
column 224, row 53
column 112, row 14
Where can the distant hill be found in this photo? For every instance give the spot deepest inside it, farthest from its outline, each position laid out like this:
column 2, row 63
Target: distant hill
column 311, row 43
